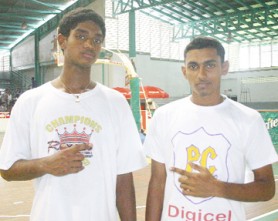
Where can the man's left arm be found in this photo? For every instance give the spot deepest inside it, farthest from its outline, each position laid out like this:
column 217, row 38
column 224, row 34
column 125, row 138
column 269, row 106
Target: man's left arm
column 125, row 197
column 204, row 184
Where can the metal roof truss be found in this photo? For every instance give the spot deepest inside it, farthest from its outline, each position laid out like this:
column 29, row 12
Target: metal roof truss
column 227, row 20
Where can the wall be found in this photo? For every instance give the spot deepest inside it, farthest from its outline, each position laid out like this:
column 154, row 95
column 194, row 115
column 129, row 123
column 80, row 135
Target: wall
column 252, row 85
column 23, row 54
column 161, row 73
column 164, row 74
column 168, row 76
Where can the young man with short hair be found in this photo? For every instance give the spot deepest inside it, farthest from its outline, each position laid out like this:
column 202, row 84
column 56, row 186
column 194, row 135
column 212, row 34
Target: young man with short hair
column 75, row 137
column 200, row 146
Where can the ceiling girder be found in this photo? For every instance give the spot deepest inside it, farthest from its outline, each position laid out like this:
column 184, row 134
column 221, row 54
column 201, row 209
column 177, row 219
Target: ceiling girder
column 25, row 10
column 12, row 34
column 189, row 11
column 251, row 23
column 49, row 5
column 120, row 6
column 15, row 15
column 53, row 23
column 247, row 20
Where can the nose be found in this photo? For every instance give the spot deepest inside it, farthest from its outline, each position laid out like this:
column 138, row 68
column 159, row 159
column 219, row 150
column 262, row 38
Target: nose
column 202, row 72
column 89, row 43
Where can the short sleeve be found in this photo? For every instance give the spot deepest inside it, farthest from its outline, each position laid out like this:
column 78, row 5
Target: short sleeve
column 16, row 142
column 260, row 149
column 153, row 142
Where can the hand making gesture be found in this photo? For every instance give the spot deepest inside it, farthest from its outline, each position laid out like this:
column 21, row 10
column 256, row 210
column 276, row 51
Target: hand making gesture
column 199, row 184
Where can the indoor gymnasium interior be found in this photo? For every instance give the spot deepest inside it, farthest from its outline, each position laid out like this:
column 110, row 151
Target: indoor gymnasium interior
column 142, row 58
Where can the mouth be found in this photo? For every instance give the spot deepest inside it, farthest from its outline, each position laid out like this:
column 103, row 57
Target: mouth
column 203, row 84
column 89, row 55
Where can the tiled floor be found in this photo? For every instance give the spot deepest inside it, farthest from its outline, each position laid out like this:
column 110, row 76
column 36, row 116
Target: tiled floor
column 16, row 199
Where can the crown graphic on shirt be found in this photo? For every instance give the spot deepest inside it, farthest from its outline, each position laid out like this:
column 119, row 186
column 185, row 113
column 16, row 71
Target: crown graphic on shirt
column 74, row 136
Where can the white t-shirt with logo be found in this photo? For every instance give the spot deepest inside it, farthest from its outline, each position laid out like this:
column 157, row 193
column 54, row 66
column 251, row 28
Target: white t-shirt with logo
column 224, row 138
column 44, row 118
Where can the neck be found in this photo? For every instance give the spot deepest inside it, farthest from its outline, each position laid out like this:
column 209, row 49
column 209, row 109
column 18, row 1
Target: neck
column 207, row 101
column 75, row 85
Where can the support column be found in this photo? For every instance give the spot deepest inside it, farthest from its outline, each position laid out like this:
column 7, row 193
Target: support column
column 135, row 81
column 37, row 59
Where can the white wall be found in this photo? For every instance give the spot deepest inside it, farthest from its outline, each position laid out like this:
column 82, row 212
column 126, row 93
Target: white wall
column 24, row 55
column 168, row 76
column 161, row 73
column 47, row 47
column 164, row 74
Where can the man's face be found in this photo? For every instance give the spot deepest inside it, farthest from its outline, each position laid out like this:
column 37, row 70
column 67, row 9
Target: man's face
column 83, row 45
column 203, row 70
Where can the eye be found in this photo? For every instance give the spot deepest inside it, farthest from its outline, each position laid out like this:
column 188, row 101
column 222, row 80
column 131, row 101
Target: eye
column 97, row 41
column 210, row 65
column 193, row 66
column 81, row 37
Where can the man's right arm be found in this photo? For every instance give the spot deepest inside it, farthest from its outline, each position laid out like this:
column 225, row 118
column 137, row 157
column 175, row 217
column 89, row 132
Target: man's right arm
column 63, row 162
column 156, row 188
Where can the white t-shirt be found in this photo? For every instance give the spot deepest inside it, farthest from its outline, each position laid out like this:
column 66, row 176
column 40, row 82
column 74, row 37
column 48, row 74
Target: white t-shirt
column 43, row 118
column 224, row 138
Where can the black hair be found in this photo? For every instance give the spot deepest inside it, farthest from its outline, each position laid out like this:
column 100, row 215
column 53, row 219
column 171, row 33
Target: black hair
column 206, row 42
column 71, row 19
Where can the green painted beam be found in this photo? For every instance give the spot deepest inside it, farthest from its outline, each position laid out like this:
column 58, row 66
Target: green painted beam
column 262, row 3
column 53, row 23
column 53, row 6
column 38, row 78
column 256, row 20
column 8, row 41
column 9, row 36
column 120, row 7
column 226, row 4
column 188, row 10
column 199, row 7
column 135, row 100
column 19, row 30
column 177, row 12
column 132, row 35
column 244, row 4
column 135, row 81
column 4, row 48
column 212, row 7
column 15, row 24
column 16, row 15
column 33, row 11
column 167, row 15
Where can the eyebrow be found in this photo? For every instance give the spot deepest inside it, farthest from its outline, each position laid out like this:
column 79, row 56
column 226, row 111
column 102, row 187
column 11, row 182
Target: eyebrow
column 205, row 62
column 81, row 30
column 86, row 32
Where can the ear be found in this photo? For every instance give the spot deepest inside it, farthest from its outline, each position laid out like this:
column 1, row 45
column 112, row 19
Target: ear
column 183, row 69
column 62, row 41
column 225, row 67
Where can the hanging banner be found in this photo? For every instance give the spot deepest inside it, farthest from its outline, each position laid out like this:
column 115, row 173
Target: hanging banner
column 271, row 121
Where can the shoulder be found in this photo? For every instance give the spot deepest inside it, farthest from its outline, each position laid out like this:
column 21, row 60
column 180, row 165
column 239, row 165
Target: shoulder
column 241, row 109
column 35, row 92
column 112, row 97
column 31, row 96
column 106, row 91
column 242, row 114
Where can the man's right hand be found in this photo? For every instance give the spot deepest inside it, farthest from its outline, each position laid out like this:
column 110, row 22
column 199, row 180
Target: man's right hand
column 66, row 161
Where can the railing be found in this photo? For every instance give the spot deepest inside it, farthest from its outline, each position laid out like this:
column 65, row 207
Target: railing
column 19, row 81
column 16, row 81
